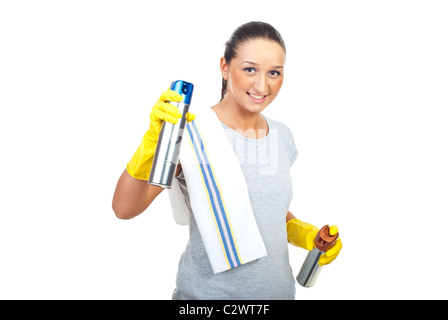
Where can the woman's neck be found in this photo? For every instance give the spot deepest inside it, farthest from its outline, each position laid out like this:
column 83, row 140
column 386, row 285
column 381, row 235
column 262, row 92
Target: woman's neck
column 234, row 116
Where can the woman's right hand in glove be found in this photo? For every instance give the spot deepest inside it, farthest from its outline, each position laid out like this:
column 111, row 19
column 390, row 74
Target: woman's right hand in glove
column 139, row 166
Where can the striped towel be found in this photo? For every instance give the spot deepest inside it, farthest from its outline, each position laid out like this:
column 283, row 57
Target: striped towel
column 218, row 195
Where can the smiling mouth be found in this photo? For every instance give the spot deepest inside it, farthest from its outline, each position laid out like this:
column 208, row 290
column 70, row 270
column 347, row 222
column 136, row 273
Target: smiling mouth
column 256, row 96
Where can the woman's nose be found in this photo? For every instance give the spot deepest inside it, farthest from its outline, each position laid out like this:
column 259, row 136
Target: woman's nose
column 261, row 85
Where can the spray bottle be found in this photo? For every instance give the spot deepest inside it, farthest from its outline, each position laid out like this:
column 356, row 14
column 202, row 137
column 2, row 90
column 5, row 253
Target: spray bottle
column 168, row 145
column 311, row 269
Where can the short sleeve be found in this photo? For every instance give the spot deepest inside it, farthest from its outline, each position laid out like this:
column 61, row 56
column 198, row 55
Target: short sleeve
column 293, row 149
column 286, row 136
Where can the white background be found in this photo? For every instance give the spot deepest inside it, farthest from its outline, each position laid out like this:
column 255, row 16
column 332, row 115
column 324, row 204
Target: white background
column 365, row 94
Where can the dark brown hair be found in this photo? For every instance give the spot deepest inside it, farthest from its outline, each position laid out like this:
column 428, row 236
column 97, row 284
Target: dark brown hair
column 248, row 31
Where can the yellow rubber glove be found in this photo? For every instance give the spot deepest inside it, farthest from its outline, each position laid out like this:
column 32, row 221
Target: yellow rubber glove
column 302, row 234
column 331, row 254
column 140, row 164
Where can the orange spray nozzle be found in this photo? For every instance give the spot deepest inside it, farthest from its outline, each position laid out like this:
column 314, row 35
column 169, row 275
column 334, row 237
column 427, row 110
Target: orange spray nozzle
column 324, row 241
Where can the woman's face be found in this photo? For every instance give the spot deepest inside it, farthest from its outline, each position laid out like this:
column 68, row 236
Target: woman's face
column 255, row 74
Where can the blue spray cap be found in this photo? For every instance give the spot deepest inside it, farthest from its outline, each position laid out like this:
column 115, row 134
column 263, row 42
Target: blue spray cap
column 183, row 88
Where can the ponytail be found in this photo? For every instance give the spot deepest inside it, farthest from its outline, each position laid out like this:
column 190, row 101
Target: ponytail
column 224, row 88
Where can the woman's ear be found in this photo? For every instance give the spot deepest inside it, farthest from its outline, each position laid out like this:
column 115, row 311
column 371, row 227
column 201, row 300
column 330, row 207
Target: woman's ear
column 224, row 68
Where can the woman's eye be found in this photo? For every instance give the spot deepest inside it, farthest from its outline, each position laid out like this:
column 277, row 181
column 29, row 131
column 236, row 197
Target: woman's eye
column 274, row 73
column 250, row 69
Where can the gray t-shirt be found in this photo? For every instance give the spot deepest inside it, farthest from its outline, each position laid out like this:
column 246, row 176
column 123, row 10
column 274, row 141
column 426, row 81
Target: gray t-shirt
column 266, row 165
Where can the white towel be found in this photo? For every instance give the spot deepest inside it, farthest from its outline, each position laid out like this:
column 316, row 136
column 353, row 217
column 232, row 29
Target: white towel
column 218, row 195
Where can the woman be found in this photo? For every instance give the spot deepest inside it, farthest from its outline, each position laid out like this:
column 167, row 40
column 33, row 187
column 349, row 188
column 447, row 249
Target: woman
column 252, row 70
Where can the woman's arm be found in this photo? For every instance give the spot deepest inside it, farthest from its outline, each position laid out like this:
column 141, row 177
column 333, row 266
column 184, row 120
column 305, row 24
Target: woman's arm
column 133, row 196
column 289, row 216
